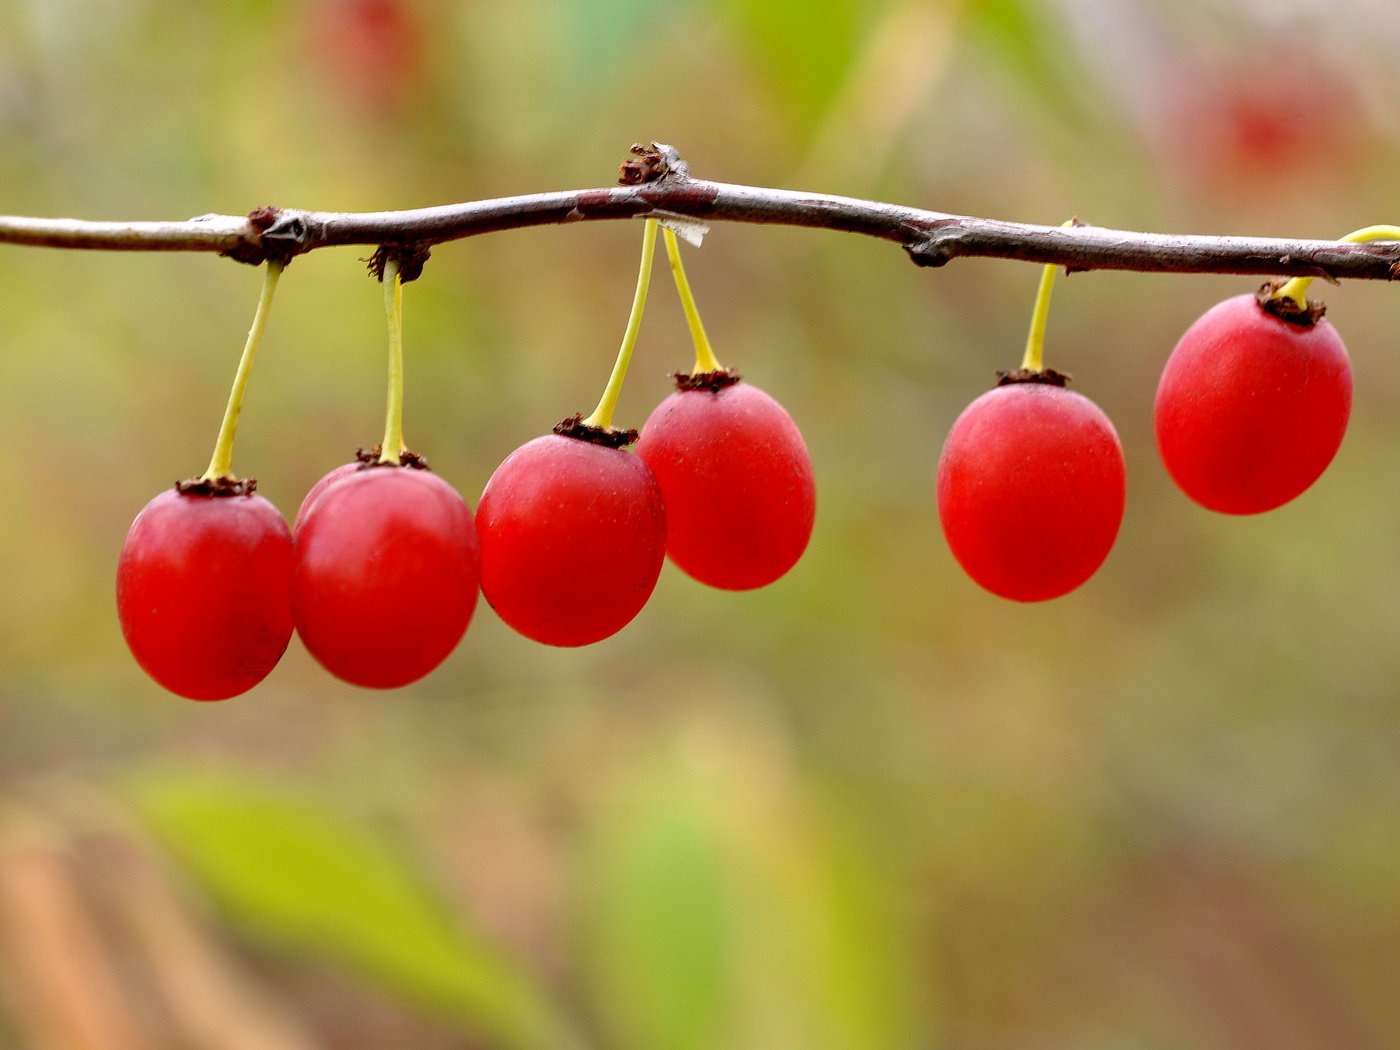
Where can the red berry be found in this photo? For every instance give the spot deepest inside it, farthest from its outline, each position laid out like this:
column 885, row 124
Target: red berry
column 203, row 592
column 1251, row 408
column 372, row 51
column 1031, row 488
column 314, row 493
column 573, row 535
column 385, row 575
column 737, row 481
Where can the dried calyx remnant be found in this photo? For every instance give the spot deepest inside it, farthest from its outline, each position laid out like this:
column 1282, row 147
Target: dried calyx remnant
column 1048, row 376
column 217, row 486
column 1287, row 309
column 714, row 382
column 575, row 427
column 370, row 458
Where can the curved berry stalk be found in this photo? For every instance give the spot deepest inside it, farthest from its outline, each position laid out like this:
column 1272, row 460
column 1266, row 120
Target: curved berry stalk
column 204, row 576
column 220, row 471
column 733, row 469
column 386, row 565
column 572, row 526
column 1031, row 480
column 1255, row 398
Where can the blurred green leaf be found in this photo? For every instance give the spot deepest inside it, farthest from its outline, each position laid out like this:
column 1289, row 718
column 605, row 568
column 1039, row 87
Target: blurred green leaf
column 818, row 920
column 659, row 923
column 1030, row 49
column 803, row 53
column 866, row 967
column 299, row 875
column 603, row 33
column 729, row 908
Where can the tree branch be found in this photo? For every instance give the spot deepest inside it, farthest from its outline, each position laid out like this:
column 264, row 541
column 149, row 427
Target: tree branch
column 661, row 187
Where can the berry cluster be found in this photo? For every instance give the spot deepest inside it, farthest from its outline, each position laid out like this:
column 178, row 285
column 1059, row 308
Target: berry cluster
column 380, row 573
column 1251, row 408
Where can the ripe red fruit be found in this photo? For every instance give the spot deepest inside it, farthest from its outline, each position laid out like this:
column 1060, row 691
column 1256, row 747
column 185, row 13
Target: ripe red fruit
column 1251, row 408
column 1031, row 488
column 737, row 481
column 372, row 51
column 203, row 592
column 573, row 535
column 314, row 493
column 385, row 575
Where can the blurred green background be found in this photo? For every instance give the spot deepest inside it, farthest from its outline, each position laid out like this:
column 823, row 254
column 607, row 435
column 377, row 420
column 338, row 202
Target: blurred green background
column 870, row 806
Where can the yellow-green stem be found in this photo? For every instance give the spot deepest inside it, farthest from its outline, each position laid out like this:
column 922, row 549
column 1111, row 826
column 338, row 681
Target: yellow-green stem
column 1297, row 288
column 221, row 463
column 602, row 415
column 392, row 447
column 705, row 360
column 1034, row 358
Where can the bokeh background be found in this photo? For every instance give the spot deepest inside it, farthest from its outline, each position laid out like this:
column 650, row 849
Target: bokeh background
column 868, row 807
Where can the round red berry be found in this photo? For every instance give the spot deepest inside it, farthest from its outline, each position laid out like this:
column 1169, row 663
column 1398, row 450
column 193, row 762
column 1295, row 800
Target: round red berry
column 1252, row 408
column 204, row 592
column 573, row 535
column 385, row 575
column 1031, row 489
column 314, row 493
column 737, row 481
column 371, row 51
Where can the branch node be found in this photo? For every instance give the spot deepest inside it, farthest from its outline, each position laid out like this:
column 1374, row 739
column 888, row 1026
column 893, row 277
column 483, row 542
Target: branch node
column 251, row 249
column 936, row 246
column 262, row 219
column 272, row 234
column 655, row 163
column 286, row 234
column 1077, row 223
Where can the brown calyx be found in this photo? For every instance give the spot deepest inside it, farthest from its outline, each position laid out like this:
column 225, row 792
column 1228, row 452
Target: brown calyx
column 411, row 257
column 1048, row 376
column 369, row 459
column 575, row 427
column 1285, row 308
column 714, row 382
column 217, row 486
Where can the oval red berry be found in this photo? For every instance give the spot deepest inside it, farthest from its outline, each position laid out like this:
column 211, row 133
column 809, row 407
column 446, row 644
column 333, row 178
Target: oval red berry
column 204, row 592
column 573, row 535
column 326, row 481
column 1031, row 490
column 385, row 575
column 737, row 480
column 1251, row 409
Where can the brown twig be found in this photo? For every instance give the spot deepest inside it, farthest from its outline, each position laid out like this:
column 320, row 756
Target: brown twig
column 660, row 186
